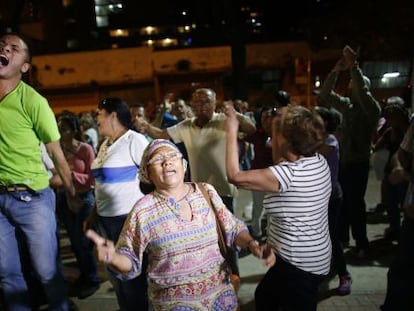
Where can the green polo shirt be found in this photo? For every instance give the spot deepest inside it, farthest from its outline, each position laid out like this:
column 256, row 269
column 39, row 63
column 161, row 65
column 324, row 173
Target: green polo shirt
column 26, row 119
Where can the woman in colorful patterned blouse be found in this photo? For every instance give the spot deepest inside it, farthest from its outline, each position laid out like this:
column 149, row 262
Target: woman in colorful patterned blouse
column 177, row 227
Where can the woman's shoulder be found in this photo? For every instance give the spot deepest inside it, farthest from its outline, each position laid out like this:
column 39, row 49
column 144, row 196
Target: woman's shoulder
column 144, row 204
column 206, row 185
column 134, row 136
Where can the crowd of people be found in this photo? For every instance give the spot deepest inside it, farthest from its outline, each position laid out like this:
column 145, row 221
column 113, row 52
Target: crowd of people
column 149, row 196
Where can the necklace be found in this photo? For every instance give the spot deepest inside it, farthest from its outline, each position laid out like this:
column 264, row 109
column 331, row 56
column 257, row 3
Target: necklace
column 102, row 153
column 111, row 140
column 177, row 203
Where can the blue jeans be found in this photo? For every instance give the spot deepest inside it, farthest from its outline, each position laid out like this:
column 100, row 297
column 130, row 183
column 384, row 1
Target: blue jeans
column 34, row 216
column 82, row 247
column 131, row 294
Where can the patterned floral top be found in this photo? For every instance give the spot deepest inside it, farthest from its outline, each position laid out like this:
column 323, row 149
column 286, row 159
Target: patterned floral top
column 186, row 270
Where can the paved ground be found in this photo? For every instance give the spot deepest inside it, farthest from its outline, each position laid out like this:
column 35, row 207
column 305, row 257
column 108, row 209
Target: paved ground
column 369, row 274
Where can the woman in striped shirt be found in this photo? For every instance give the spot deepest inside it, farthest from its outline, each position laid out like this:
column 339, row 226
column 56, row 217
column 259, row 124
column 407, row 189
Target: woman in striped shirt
column 298, row 189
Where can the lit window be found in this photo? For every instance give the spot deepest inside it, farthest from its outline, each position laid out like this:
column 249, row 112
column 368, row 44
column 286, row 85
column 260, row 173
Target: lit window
column 72, row 44
column 102, row 21
column 119, row 33
column 168, row 42
column 66, row 3
column 115, row 8
column 149, row 30
column 148, row 42
column 101, row 10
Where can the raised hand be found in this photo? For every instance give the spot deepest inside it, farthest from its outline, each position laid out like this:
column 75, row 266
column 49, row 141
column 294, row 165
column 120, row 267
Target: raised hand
column 341, row 65
column 350, row 56
column 105, row 249
column 232, row 122
column 141, row 124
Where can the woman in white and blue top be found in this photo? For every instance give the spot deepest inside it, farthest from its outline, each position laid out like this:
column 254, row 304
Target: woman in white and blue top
column 298, row 189
column 117, row 188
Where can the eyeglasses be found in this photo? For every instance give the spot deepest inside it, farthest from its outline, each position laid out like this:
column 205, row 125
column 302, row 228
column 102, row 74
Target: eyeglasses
column 159, row 159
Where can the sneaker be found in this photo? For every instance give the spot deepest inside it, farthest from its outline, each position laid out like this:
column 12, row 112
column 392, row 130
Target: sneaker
column 392, row 235
column 87, row 290
column 344, row 287
column 360, row 253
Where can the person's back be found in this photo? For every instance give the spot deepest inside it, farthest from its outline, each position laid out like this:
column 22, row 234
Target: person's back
column 298, row 191
column 360, row 112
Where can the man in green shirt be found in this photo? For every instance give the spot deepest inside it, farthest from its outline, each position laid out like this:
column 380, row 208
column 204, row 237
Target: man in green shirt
column 27, row 203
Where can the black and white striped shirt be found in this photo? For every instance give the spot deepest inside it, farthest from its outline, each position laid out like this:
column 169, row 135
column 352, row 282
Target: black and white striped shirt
column 298, row 213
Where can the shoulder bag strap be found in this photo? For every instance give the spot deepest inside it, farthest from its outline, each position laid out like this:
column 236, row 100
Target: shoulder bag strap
column 222, row 244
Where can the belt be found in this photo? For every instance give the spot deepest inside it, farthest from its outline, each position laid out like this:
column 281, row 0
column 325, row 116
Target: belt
column 15, row 188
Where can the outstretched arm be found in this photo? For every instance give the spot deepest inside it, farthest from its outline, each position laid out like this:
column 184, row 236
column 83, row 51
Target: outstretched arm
column 246, row 125
column 263, row 252
column 261, row 179
column 145, row 127
column 107, row 254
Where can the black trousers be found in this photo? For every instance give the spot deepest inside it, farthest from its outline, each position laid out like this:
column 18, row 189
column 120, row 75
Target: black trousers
column 400, row 285
column 285, row 287
column 353, row 178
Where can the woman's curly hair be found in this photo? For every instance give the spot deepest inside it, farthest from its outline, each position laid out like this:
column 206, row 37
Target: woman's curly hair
column 303, row 129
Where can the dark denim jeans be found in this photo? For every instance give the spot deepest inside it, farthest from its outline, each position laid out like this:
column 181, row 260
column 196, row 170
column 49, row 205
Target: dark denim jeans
column 338, row 257
column 34, row 215
column 132, row 294
column 82, row 247
column 354, row 179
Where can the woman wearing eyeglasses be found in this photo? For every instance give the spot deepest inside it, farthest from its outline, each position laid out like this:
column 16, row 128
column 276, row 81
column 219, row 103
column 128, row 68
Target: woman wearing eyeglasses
column 115, row 169
column 176, row 226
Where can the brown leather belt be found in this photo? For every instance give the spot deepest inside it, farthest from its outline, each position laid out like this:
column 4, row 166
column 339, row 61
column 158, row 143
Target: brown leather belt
column 15, row 188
